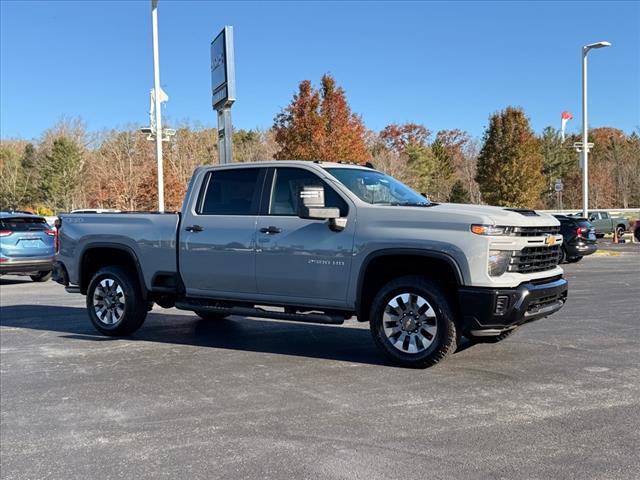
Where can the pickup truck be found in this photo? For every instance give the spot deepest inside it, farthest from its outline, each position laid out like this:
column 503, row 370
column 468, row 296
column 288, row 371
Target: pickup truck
column 320, row 242
column 605, row 223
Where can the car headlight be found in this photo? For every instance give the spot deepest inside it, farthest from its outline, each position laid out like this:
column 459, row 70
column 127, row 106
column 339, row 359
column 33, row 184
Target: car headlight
column 490, row 230
column 498, row 262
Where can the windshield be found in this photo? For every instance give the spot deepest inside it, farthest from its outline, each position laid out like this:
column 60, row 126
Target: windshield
column 377, row 188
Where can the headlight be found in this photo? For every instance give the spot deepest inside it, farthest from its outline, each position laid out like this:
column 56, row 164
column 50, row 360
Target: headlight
column 498, row 262
column 490, row 230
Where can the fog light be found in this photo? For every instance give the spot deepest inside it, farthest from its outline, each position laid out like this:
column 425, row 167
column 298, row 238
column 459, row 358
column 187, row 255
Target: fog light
column 498, row 262
column 502, row 304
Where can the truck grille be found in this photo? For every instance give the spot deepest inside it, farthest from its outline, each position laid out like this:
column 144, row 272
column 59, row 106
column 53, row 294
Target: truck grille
column 535, row 231
column 534, row 259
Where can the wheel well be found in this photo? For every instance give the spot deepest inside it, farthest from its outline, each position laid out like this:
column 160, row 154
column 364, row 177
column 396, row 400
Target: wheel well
column 96, row 258
column 380, row 270
column 621, row 225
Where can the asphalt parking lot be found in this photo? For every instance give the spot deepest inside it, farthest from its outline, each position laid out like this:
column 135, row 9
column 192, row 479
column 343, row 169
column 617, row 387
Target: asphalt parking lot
column 245, row 399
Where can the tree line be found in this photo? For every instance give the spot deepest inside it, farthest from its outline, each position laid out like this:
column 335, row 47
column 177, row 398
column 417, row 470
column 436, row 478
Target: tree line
column 69, row 167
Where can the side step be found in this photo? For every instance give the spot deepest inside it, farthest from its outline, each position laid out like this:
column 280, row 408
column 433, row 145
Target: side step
column 262, row 313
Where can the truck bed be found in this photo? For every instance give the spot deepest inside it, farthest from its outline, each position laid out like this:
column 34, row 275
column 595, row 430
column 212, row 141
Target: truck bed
column 151, row 237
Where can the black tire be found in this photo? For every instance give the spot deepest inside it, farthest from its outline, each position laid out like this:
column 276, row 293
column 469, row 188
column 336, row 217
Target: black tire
column 637, row 234
column 493, row 339
column 120, row 321
column 41, row 276
column 574, row 259
column 620, row 231
column 562, row 256
column 210, row 316
column 443, row 342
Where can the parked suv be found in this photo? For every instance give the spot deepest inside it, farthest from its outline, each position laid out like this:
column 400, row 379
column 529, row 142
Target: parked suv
column 320, row 242
column 579, row 238
column 26, row 246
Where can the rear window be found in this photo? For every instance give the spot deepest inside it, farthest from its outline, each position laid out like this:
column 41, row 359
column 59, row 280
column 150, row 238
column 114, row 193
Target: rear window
column 23, row 224
column 584, row 223
column 231, row 192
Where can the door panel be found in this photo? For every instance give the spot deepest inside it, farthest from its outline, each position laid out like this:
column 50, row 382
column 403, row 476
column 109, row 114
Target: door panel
column 218, row 236
column 305, row 258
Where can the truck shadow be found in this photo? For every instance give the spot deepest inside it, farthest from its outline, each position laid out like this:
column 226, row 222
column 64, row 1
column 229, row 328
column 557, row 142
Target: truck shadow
column 343, row 343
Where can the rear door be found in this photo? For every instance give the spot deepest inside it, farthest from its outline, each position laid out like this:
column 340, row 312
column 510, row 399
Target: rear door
column 217, row 237
column 300, row 259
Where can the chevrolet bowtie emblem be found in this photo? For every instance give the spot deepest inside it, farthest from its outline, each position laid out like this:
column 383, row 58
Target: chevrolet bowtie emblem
column 549, row 240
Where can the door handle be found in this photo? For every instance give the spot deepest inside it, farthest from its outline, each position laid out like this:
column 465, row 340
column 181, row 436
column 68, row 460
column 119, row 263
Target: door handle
column 270, row 230
column 194, row 228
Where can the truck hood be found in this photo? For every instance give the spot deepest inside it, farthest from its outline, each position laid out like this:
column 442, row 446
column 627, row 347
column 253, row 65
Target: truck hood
column 497, row 215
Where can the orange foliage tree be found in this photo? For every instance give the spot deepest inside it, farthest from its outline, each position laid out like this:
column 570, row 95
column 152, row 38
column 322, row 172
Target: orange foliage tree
column 319, row 125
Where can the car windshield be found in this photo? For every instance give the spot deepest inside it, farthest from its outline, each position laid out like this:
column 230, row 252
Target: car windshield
column 377, row 188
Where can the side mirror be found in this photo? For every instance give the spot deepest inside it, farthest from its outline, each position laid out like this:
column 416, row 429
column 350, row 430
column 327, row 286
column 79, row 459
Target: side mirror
column 311, row 206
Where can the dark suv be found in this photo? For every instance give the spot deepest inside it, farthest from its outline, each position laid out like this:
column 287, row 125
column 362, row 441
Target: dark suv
column 579, row 238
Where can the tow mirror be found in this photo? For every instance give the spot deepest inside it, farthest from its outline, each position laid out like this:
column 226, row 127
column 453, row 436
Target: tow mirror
column 311, row 205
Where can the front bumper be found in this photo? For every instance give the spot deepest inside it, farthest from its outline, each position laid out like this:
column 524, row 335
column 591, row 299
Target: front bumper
column 490, row 311
column 25, row 265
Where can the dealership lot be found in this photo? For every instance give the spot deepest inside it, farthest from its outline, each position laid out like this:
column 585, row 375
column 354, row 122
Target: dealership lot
column 186, row 398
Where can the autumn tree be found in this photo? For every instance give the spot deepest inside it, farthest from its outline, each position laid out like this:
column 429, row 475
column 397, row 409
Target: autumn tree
column 510, row 161
column 319, row 125
column 398, row 137
column 17, row 188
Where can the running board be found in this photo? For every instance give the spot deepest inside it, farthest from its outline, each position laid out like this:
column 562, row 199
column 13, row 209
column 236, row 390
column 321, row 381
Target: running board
column 262, row 313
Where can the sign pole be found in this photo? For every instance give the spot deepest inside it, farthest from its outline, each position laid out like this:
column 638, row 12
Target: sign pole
column 223, row 90
column 225, row 136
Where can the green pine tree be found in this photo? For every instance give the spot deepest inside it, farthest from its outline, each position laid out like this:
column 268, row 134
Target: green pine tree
column 510, row 162
column 61, row 172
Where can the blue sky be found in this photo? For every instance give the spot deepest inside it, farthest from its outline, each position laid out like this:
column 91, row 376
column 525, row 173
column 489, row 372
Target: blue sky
column 446, row 65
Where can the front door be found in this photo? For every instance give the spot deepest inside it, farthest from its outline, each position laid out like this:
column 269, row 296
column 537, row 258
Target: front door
column 300, row 259
column 218, row 236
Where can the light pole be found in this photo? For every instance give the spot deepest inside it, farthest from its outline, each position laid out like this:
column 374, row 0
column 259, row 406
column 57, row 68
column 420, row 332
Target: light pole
column 157, row 100
column 585, row 144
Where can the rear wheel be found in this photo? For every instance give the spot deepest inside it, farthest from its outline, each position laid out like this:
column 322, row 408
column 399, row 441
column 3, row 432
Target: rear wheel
column 41, row 276
column 492, row 339
column 411, row 321
column 210, row 316
column 115, row 302
column 620, row 231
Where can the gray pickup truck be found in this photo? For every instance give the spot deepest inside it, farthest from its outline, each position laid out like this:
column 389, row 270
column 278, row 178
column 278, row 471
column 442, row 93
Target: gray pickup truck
column 320, row 242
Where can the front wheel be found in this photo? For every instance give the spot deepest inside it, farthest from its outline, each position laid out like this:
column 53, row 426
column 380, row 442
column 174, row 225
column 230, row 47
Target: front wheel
column 411, row 321
column 41, row 276
column 115, row 302
column 574, row 259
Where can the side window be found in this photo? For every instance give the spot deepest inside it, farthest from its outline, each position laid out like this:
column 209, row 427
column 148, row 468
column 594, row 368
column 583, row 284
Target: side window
column 287, row 182
column 604, row 215
column 230, row 192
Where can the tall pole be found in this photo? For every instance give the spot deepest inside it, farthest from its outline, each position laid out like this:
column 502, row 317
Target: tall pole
column 156, row 89
column 585, row 127
column 585, row 144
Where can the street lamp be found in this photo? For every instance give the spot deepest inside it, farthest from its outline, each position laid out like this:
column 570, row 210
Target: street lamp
column 157, row 100
column 585, row 144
